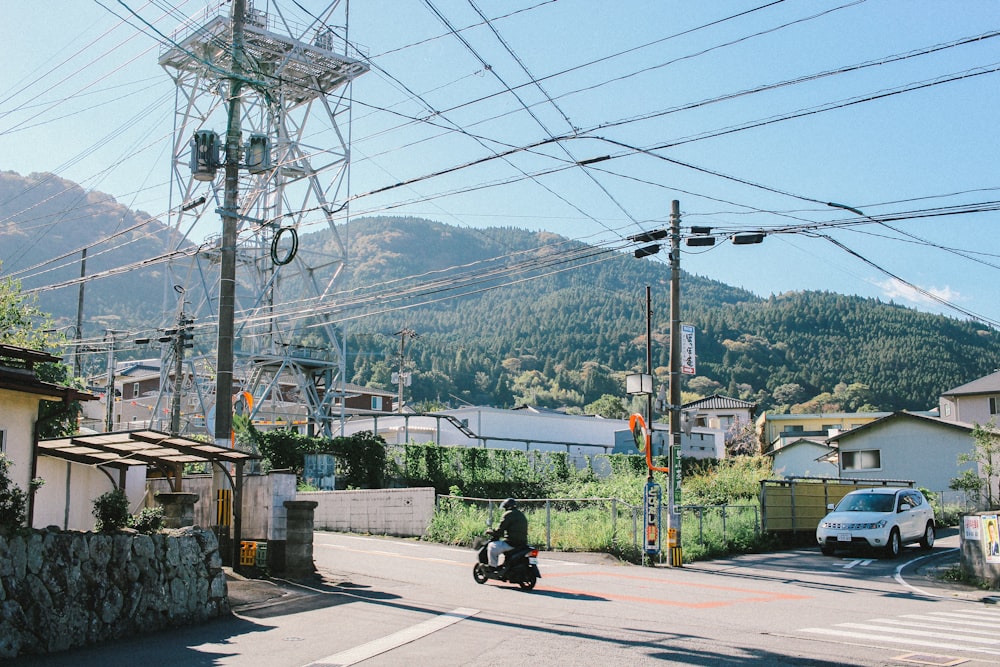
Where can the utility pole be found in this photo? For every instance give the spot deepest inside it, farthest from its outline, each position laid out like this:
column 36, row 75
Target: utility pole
column 79, row 315
column 181, row 338
column 109, row 390
column 674, row 453
column 227, row 284
column 402, row 361
column 649, row 362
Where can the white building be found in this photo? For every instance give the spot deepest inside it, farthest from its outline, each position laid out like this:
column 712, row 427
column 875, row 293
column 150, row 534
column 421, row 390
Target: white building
column 528, row 429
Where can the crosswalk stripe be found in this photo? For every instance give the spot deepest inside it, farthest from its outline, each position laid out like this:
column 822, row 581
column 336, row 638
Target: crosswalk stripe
column 833, row 632
column 920, row 632
column 969, row 630
column 991, row 630
column 954, row 621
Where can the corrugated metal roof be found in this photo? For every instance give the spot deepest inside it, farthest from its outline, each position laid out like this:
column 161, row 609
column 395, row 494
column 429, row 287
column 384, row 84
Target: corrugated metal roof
column 131, row 448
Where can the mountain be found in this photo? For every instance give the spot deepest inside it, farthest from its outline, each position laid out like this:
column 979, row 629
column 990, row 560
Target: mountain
column 506, row 316
column 567, row 337
column 43, row 217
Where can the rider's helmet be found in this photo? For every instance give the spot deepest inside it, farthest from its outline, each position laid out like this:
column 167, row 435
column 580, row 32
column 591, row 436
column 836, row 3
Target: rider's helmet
column 510, row 503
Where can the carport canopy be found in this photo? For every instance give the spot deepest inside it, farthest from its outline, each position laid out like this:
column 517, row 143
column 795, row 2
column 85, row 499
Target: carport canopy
column 123, row 449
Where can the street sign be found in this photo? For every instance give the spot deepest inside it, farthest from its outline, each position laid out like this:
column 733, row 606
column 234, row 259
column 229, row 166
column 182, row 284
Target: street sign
column 675, row 474
column 687, row 349
column 652, row 504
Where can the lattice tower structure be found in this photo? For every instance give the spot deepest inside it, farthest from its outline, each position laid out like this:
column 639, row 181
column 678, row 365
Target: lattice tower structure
column 295, row 91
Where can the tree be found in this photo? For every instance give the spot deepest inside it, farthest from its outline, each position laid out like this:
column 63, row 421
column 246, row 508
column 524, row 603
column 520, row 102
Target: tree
column 607, row 406
column 23, row 324
column 986, row 455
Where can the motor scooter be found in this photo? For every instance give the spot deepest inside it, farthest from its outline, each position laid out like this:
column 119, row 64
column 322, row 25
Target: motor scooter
column 519, row 566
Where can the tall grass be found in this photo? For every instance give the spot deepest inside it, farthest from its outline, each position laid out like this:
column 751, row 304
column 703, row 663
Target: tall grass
column 581, row 515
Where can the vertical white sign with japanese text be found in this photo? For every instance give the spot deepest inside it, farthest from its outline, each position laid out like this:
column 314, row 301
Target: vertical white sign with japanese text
column 687, row 349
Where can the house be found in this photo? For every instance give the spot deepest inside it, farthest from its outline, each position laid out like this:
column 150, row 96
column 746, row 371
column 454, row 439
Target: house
column 775, row 431
column 906, row 446
column 21, row 393
column 719, row 412
column 804, row 457
column 975, row 402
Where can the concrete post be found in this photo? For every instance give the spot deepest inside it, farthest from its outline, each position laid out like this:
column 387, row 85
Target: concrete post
column 299, row 545
column 178, row 508
column 282, row 486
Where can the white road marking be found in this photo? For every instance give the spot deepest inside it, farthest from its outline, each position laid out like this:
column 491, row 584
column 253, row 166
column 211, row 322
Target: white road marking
column 881, row 638
column 858, row 561
column 395, row 640
column 945, row 630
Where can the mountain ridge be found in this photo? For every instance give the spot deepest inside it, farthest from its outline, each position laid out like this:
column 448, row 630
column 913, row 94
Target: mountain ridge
column 507, row 316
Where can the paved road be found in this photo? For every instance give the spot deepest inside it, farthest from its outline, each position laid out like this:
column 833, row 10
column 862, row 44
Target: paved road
column 399, row 602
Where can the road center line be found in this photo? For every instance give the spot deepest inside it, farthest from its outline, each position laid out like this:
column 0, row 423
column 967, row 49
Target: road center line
column 395, row 640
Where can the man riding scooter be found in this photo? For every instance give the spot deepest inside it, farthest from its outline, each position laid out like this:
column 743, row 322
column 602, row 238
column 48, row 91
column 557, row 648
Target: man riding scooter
column 509, row 535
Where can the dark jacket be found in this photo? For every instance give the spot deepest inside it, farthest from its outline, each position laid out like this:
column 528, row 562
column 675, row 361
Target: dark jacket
column 513, row 528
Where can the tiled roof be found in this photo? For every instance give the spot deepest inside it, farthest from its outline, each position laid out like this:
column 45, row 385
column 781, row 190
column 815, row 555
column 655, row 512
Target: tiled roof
column 717, row 402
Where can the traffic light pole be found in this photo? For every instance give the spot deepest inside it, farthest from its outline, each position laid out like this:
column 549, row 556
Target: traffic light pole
column 674, row 485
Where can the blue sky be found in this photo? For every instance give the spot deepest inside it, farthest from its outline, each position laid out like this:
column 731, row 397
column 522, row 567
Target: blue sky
column 662, row 88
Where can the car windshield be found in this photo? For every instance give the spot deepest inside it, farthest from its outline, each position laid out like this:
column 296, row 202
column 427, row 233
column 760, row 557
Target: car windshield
column 867, row 502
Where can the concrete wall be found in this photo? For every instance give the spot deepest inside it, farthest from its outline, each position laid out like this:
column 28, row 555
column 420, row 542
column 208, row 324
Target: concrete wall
column 67, row 498
column 67, row 589
column 259, row 503
column 400, row 512
column 17, row 420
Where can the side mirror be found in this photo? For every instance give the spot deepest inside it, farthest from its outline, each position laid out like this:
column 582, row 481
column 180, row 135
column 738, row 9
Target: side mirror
column 829, row 507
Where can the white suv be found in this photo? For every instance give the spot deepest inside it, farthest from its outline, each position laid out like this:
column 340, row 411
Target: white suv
column 884, row 518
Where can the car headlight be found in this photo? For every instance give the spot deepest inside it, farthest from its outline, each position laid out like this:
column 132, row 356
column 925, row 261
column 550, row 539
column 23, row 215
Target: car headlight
column 880, row 524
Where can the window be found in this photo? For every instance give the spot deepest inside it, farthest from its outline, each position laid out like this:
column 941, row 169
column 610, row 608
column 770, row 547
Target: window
column 3, row 441
column 865, row 459
column 135, row 390
column 994, row 405
column 793, row 428
column 376, row 402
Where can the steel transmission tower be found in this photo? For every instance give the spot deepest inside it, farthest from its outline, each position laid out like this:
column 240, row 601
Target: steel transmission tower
column 291, row 80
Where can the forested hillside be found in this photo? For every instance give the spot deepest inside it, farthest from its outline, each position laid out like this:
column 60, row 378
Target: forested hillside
column 45, row 218
column 565, row 339
column 506, row 316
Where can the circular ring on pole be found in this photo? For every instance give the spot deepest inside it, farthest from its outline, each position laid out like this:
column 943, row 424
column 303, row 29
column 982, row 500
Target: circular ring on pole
column 290, row 255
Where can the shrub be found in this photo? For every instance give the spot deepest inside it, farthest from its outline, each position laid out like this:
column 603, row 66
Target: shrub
column 111, row 511
column 147, row 521
column 13, row 500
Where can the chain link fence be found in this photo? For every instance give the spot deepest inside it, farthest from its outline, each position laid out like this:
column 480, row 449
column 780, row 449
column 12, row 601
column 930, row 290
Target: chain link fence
column 598, row 524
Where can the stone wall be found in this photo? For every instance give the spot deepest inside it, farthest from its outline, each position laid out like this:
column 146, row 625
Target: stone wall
column 60, row 590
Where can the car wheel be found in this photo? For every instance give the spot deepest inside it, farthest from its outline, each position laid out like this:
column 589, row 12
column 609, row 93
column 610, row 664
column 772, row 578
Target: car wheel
column 927, row 541
column 894, row 545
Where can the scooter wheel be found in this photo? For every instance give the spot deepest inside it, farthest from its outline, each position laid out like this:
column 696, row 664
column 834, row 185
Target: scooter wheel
column 528, row 581
column 479, row 573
